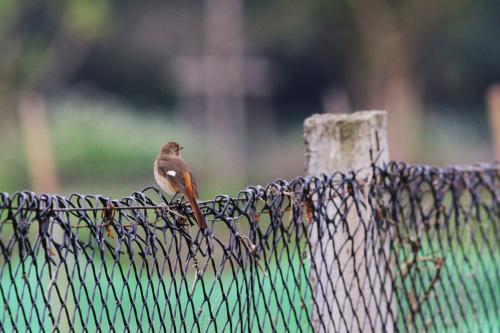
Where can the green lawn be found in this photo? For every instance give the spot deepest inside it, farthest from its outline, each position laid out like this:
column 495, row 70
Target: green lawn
column 167, row 301
column 138, row 304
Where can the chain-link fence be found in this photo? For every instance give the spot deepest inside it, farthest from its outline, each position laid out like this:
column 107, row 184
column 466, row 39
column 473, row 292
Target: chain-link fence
column 423, row 256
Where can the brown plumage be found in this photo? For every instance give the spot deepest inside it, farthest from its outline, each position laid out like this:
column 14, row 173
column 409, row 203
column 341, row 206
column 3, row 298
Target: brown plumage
column 173, row 175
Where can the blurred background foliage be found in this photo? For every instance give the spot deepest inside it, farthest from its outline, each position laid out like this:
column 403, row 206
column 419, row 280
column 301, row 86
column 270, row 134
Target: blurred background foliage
column 90, row 89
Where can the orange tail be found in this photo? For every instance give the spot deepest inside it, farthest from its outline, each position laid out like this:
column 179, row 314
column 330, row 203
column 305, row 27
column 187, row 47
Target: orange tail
column 197, row 213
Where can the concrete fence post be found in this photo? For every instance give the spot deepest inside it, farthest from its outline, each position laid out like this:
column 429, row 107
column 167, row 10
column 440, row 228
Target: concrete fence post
column 349, row 294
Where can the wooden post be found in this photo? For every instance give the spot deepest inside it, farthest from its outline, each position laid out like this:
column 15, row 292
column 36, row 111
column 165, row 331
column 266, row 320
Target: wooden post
column 39, row 156
column 350, row 296
column 493, row 101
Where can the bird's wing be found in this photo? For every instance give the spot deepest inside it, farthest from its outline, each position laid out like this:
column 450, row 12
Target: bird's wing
column 173, row 169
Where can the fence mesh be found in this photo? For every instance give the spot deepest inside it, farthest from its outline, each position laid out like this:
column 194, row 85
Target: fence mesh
column 407, row 248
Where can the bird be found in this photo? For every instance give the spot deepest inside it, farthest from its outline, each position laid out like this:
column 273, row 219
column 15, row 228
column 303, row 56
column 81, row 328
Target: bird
column 173, row 175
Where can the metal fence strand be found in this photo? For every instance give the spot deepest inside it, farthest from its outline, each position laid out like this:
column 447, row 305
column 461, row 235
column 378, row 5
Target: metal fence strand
column 429, row 238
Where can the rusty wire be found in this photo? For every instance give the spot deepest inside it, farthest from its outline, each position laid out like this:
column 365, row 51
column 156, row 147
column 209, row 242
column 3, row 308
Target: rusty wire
column 88, row 263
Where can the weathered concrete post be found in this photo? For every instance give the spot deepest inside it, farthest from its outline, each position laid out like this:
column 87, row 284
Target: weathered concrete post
column 350, row 294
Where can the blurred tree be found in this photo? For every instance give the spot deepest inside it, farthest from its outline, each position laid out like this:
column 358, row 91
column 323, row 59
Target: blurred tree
column 376, row 48
column 43, row 44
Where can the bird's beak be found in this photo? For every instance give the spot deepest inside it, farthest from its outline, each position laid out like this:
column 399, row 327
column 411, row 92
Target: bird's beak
column 181, row 148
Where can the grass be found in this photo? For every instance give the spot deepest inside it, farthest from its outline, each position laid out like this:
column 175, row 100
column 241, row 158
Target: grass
column 128, row 302
column 116, row 298
column 464, row 298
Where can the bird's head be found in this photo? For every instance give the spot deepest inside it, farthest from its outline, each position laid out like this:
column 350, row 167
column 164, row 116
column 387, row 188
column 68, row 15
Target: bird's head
column 171, row 149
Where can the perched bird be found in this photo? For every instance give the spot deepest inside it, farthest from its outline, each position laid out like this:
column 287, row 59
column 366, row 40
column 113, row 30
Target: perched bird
column 173, row 175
